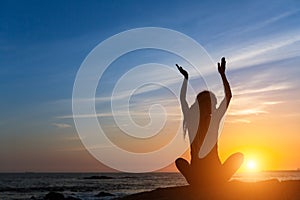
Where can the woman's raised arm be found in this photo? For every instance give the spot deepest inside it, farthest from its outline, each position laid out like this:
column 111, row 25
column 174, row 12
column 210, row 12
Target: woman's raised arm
column 227, row 90
column 184, row 104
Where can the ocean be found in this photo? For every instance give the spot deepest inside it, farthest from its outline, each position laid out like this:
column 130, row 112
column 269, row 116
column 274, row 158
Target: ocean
column 86, row 186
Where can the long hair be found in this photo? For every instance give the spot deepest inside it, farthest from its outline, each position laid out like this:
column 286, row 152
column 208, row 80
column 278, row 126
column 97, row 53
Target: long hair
column 203, row 105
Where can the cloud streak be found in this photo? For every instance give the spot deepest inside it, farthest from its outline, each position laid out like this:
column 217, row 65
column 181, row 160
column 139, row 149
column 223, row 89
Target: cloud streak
column 61, row 125
column 266, row 50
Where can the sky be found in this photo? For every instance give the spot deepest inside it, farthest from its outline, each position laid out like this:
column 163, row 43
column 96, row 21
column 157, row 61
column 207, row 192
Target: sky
column 44, row 43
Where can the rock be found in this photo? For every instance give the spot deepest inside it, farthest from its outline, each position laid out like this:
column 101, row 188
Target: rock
column 54, row 196
column 58, row 196
column 98, row 177
column 104, row 194
column 72, row 198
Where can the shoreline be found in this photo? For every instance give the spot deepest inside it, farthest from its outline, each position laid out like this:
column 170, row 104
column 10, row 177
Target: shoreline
column 270, row 189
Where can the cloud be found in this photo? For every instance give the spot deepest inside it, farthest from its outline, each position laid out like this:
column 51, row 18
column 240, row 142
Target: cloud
column 238, row 121
column 241, row 90
column 255, row 97
column 250, row 27
column 272, row 102
column 269, row 21
column 137, row 112
column 84, row 116
column 264, row 51
column 246, row 48
column 61, row 125
column 249, row 111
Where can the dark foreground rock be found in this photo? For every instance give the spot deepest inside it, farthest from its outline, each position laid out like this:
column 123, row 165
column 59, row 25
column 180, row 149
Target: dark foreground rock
column 104, row 194
column 58, row 196
column 234, row 190
column 98, row 177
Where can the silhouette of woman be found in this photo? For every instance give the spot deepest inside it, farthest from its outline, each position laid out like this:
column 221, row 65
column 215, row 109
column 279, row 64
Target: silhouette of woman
column 202, row 122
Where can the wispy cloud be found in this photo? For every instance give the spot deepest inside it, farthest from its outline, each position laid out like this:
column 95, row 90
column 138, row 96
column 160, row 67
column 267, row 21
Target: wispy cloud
column 250, row 27
column 269, row 21
column 238, row 121
column 253, row 111
column 61, row 125
column 252, row 44
column 110, row 114
column 257, row 96
column 242, row 90
column 266, row 50
column 84, row 116
column 272, row 102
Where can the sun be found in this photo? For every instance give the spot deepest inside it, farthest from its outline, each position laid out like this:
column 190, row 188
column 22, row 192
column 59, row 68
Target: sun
column 251, row 165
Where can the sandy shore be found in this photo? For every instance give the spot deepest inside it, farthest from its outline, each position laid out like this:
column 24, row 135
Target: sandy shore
column 271, row 189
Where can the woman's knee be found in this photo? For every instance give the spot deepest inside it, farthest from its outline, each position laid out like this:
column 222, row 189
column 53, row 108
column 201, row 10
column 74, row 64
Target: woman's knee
column 238, row 157
column 235, row 159
column 181, row 162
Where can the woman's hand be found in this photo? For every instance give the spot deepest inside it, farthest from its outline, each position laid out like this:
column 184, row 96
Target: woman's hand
column 222, row 66
column 227, row 90
column 182, row 71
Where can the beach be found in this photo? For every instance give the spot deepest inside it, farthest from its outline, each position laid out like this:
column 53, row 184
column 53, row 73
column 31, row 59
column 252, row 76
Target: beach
column 271, row 189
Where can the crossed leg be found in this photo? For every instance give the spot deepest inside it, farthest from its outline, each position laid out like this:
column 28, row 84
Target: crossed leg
column 209, row 175
column 231, row 165
column 185, row 169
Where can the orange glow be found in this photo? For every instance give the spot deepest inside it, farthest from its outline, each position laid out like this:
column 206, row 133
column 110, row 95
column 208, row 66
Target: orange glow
column 251, row 165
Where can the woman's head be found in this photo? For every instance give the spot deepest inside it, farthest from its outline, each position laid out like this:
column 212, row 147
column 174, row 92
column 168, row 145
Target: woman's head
column 207, row 102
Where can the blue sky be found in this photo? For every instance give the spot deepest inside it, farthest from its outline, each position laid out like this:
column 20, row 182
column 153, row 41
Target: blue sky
column 43, row 43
